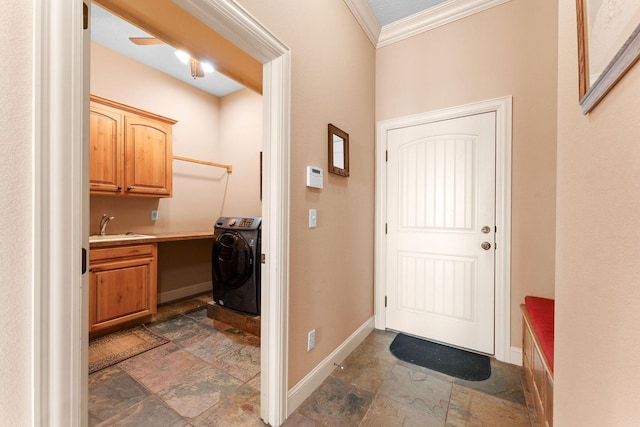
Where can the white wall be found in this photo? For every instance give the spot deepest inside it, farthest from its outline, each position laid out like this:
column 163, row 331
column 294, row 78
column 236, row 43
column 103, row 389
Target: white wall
column 16, row 191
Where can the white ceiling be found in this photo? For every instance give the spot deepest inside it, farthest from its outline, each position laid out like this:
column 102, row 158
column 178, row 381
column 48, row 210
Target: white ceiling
column 113, row 32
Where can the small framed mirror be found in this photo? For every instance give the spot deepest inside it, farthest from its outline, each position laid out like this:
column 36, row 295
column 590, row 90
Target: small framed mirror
column 338, row 151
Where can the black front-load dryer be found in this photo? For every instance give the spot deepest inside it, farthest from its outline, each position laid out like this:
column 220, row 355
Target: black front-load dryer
column 235, row 263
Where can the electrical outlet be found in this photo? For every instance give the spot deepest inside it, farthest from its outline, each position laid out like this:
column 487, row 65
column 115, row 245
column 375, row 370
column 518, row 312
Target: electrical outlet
column 311, row 340
column 154, row 215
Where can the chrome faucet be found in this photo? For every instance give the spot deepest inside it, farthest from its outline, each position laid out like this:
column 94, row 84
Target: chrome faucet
column 103, row 223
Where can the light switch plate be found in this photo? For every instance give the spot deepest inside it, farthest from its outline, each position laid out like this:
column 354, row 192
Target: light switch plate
column 154, row 215
column 311, row 340
column 313, row 215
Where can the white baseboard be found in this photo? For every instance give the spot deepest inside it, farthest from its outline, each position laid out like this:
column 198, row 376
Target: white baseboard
column 313, row 379
column 187, row 291
column 516, row 356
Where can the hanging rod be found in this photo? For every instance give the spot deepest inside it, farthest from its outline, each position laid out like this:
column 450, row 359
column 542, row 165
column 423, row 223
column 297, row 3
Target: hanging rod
column 229, row 168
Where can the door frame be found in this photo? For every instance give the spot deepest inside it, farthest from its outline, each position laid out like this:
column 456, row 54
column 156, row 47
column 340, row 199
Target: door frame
column 60, row 97
column 503, row 109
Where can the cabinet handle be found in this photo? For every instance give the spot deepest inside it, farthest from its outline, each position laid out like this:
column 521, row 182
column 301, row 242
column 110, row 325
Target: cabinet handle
column 119, row 187
column 129, row 188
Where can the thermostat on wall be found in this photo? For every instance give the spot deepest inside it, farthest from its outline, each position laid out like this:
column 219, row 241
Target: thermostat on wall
column 314, row 177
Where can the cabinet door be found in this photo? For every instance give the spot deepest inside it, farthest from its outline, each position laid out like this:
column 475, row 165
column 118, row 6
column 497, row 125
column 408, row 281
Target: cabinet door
column 148, row 157
column 105, row 170
column 121, row 291
column 122, row 285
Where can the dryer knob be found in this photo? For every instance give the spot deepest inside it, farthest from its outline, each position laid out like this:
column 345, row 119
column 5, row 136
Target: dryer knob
column 232, row 221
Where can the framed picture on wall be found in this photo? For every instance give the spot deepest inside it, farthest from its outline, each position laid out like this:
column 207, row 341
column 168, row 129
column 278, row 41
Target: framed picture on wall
column 608, row 46
column 338, row 151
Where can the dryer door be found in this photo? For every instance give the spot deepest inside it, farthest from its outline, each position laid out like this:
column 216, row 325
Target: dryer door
column 232, row 260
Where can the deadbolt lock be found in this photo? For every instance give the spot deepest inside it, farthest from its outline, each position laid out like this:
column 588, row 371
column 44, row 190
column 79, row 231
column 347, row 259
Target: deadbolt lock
column 486, row 229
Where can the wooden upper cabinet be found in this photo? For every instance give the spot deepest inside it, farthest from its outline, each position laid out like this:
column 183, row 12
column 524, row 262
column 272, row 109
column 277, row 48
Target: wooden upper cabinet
column 105, row 168
column 131, row 152
column 148, row 156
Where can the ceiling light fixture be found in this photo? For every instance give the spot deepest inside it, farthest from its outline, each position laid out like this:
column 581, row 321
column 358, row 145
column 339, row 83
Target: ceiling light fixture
column 197, row 68
column 183, row 56
column 207, row 67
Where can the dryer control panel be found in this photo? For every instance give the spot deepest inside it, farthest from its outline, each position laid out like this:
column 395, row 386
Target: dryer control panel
column 239, row 223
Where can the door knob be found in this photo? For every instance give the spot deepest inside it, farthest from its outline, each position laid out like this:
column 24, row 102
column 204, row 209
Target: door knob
column 486, row 229
column 486, row 246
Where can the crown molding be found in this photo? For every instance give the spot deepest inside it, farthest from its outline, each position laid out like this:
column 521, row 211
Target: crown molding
column 431, row 18
column 420, row 22
column 366, row 18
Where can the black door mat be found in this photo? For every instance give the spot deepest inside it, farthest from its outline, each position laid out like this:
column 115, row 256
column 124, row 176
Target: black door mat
column 451, row 361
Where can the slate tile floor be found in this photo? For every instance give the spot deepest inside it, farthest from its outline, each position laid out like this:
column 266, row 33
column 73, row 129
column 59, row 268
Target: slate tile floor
column 208, row 375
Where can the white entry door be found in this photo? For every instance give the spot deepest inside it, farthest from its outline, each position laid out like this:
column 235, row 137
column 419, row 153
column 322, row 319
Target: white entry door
column 441, row 231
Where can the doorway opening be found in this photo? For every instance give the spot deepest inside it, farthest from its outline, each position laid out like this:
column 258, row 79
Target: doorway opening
column 62, row 97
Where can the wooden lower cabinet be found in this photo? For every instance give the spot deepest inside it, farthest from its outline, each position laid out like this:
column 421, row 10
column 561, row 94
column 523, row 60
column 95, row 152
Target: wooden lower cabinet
column 122, row 285
column 537, row 372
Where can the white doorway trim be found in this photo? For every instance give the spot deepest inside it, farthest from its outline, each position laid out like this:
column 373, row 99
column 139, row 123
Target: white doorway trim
column 502, row 107
column 59, row 327
column 59, row 351
column 234, row 23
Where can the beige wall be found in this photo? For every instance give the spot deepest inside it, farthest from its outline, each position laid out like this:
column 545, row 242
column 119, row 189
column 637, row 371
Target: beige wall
column 16, row 263
column 331, row 276
column 597, row 333
column 240, row 145
column 597, row 194
column 331, row 272
column 508, row 50
column 225, row 130
column 200, row 193
column 182, row 264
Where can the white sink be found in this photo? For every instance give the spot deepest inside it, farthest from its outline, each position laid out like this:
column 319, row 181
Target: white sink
column 118, row 237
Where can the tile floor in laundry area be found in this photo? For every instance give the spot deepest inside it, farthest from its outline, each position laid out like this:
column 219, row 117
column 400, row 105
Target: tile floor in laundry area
column 209, row 375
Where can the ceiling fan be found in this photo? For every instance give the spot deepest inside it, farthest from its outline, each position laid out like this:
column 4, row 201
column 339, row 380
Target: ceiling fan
column 198, row 68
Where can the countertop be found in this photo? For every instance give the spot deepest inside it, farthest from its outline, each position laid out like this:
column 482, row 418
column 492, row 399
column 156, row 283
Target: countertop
column 157, row 238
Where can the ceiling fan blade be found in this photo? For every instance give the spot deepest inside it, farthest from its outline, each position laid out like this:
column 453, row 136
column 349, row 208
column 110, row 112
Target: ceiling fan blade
column 196, row 68
column 145, row 41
